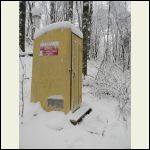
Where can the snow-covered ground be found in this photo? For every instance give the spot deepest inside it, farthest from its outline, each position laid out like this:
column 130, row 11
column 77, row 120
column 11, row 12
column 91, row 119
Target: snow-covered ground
column 100, row 129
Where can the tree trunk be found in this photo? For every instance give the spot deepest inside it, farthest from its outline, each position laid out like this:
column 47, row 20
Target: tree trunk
column 65, row 10
column 90, row 26
column 71, row 11
column 123, row 58
column 116, row 49
column 96, row 44
column 107, row 46
column 85, row 29
column 79, row 17
column 31, row 5
column 22, row 17
column 52, row 14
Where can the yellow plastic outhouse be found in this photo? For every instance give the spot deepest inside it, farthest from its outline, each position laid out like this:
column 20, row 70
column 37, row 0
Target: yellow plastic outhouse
column 57, row 67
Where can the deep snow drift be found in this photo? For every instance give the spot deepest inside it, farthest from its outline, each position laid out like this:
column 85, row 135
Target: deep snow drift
column 100, row 129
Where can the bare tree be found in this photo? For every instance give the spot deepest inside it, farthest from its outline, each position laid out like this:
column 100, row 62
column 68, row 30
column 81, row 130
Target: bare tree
column 107, row 52
column 52, row 14
column 90, row 25
column 85, row 29
column 71, row 11
column 79, row 13
column 22, row 16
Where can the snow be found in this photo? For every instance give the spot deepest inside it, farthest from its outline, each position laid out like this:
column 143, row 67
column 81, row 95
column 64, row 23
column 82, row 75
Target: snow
column 58, row 25
column 101, row 129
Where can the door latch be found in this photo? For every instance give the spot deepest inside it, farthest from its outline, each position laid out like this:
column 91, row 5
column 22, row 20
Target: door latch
column 74, row 74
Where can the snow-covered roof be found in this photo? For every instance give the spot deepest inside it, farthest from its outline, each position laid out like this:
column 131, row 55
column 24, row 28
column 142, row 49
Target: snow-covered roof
column 64, row 24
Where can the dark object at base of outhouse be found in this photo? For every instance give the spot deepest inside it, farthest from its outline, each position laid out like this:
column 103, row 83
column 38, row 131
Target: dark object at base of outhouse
column 80, row 118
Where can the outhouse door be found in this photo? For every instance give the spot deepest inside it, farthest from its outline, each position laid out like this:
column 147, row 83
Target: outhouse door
column 75, row 74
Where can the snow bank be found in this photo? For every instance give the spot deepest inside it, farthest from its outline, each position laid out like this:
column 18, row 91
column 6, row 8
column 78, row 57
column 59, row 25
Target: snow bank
column 64, row 24
column 53, row 130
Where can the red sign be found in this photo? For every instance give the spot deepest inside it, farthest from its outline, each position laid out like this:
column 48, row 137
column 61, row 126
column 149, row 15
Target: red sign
column 49, row 49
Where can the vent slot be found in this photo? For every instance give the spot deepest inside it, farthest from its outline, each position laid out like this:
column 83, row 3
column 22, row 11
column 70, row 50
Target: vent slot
column 56, row 102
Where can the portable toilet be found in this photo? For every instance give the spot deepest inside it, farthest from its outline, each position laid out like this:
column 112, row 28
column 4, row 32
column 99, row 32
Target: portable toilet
column 57, row 67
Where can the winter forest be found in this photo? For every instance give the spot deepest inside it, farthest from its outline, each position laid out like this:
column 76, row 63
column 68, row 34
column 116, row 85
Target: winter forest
column 106, row 75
